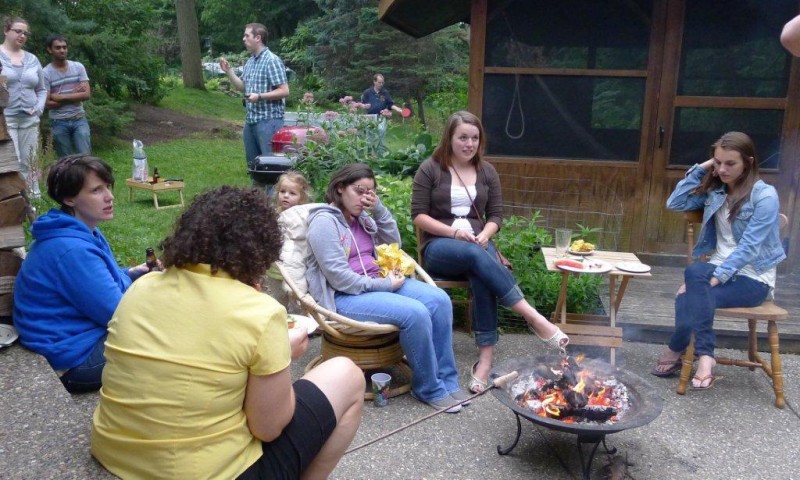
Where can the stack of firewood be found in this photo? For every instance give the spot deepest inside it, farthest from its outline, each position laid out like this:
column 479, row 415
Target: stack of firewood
column 14, row 207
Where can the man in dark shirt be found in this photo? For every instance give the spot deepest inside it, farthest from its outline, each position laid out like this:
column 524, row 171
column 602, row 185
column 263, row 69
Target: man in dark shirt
column 378, row 97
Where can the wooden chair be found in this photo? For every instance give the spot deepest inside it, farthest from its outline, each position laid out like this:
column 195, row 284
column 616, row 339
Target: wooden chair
column 372, row 346
column 767, row 312
column 447, row 283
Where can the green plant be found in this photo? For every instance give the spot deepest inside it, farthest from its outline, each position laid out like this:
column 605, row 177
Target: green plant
column 589, row 234
column 107, row 116
column 520, row 240
column 395, row 194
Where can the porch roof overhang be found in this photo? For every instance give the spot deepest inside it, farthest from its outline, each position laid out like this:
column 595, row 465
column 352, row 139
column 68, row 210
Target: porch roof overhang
column 423, row 17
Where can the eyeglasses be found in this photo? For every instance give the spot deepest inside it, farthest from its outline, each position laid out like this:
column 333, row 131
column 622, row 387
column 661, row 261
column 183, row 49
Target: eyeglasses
column 21, row 32
column 360, row 191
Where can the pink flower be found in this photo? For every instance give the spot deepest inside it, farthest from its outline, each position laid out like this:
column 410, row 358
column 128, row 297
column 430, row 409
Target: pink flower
column 330, row 115
column 308, row 98
column 352, row 130
column 341, row 133
column 346, row 100
column 352, row 106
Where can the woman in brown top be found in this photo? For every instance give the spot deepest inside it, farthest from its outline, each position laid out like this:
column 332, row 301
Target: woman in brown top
column 457, row 203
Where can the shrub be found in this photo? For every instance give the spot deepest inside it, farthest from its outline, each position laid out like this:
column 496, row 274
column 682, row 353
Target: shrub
column 395, row 194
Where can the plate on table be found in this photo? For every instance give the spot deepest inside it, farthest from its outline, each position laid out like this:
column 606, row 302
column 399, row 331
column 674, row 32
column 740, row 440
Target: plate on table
column 580, row 253
column 587, row 266
column 633, row 267
column 8, row 334
column 310, row 324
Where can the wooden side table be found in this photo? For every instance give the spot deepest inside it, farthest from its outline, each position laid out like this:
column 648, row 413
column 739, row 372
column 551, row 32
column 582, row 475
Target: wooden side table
column 155, row 189
column 589, row 329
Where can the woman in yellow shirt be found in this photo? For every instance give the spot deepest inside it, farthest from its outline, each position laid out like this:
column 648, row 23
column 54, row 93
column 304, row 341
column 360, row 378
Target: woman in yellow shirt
column 197, row 381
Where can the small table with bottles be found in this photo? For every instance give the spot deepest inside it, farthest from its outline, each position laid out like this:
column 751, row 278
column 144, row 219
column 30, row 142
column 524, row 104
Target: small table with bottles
column 155, row 189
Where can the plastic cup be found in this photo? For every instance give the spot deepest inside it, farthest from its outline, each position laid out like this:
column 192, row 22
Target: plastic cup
column 563, row 238
column 380, row 388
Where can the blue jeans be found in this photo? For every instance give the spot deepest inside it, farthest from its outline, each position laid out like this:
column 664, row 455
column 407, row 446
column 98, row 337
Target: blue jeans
column 424, row 315
column 258, row 139
column 71, row 136
column 87, row 377
column 490, row 282
column 694, row 310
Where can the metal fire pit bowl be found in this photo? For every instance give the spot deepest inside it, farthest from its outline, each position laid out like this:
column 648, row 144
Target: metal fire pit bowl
column 645, row 405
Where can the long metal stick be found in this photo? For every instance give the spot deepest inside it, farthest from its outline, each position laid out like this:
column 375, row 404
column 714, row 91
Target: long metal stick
column 498, row 382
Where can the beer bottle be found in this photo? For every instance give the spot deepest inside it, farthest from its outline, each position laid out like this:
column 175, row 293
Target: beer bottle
column 155, row 175
column 151, row 261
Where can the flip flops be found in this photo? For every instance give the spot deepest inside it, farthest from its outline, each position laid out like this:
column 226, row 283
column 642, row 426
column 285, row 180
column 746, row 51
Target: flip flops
column 710, row 378
column 476, row 385
column 673, row 366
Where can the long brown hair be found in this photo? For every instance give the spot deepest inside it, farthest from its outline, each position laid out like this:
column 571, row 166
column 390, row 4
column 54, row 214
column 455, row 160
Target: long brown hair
column 743, row 144
column 444, row 151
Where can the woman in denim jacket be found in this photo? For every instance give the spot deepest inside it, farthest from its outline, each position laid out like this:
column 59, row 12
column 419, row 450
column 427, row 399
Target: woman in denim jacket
column 740, row 233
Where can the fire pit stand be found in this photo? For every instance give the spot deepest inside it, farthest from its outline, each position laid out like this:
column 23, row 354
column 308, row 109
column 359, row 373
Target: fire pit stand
column 645, row 406
column 586, row 465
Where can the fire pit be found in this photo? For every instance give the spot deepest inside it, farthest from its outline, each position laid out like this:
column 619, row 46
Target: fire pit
column 641, row 406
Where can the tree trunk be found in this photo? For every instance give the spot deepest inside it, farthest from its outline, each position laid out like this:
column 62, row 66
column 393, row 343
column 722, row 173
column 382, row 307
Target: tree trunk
column 420, row 110
column 189, row 38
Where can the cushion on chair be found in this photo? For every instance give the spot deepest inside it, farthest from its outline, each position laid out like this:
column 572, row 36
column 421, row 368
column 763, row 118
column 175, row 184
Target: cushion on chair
column 294, row 252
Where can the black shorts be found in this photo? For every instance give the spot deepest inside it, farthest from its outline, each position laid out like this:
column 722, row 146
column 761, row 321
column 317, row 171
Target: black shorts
column 291, row 453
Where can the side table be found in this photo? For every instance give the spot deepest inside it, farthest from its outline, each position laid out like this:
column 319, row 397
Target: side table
column 155, row 189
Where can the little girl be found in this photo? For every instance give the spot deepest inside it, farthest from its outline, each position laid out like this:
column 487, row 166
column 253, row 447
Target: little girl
column 292, row 189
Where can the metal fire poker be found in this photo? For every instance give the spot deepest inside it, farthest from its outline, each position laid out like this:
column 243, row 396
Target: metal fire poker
column 499, row 382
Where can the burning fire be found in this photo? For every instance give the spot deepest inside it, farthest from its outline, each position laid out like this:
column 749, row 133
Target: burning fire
column 571, row 393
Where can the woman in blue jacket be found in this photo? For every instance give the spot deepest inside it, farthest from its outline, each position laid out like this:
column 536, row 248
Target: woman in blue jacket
column 740, row 233
column 70, row 283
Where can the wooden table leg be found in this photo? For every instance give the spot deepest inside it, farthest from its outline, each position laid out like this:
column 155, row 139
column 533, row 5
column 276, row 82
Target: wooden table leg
column 155, row 200
column 561, row 304
column 180, row 192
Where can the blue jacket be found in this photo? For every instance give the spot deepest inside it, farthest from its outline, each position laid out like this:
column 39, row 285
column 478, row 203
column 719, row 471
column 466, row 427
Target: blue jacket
column 66, row 290
column 755, row 228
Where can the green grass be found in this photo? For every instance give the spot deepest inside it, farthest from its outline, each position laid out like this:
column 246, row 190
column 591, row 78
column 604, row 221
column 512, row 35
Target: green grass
column 202, row 164
column 209, row 104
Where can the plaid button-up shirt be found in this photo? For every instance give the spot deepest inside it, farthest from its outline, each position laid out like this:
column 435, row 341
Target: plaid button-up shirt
column 263, row 73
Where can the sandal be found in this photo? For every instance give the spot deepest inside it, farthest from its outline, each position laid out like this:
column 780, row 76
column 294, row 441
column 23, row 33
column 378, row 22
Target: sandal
column 710, row 378
column 667, row 372
column 555, row 340
column 476, row 385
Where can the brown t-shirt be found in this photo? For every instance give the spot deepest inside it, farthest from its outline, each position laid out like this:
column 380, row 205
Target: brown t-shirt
column 431, row 196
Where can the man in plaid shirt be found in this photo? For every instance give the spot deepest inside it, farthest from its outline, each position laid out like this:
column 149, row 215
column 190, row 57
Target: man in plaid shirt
column 265, row 86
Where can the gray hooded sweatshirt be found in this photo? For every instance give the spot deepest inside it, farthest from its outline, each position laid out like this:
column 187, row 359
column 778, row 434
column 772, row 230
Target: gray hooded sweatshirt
column 330, row 240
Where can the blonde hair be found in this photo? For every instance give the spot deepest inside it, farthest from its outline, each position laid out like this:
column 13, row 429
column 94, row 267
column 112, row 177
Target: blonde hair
column 298, row 179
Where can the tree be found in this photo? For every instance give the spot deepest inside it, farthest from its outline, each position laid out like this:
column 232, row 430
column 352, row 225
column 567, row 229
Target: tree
column 189, row 38
column 350, row 44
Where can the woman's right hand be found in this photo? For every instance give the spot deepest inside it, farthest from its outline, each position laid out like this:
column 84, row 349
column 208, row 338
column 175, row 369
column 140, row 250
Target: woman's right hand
column 397, row 279
column 708, row 165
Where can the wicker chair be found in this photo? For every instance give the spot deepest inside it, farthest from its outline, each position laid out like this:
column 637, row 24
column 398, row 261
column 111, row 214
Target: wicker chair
column 767, row 312
column 372, row 346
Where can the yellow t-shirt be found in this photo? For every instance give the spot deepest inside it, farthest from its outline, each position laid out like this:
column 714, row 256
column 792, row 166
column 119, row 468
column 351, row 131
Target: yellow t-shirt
column 179, row 350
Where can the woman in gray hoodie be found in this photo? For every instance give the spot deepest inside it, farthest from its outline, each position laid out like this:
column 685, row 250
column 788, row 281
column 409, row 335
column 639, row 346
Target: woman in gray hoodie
column 342, row 276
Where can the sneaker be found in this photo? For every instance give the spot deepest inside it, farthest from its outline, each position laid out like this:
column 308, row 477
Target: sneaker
column 442, row 404
column 460, row 397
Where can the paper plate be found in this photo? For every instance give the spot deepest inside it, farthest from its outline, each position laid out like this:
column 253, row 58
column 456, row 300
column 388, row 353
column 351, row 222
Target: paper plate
column 582, row 254
column 589, row 266
column 8, row 334
column 633, row 267
column 310, row 324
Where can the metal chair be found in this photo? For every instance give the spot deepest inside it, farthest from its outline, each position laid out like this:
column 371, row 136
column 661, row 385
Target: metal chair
column 371, row 346
column 767, row 312
column 447, row 283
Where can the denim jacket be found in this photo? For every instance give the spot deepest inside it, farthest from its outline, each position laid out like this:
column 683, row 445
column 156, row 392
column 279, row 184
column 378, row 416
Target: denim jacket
column 755, row 228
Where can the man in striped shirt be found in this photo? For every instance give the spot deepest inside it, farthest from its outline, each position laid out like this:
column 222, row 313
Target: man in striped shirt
column 265, row 87
column 67, row 87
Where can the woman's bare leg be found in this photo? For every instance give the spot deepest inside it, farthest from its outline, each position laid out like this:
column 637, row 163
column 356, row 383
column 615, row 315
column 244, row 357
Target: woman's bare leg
column 343, row 383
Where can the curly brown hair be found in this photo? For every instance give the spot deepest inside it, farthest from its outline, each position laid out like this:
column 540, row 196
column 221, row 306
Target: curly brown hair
column 230, row 228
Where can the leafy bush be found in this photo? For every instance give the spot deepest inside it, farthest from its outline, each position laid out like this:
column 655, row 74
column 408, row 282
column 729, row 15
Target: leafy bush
column 395, row 193
column 520, row 240
column 107, row 116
